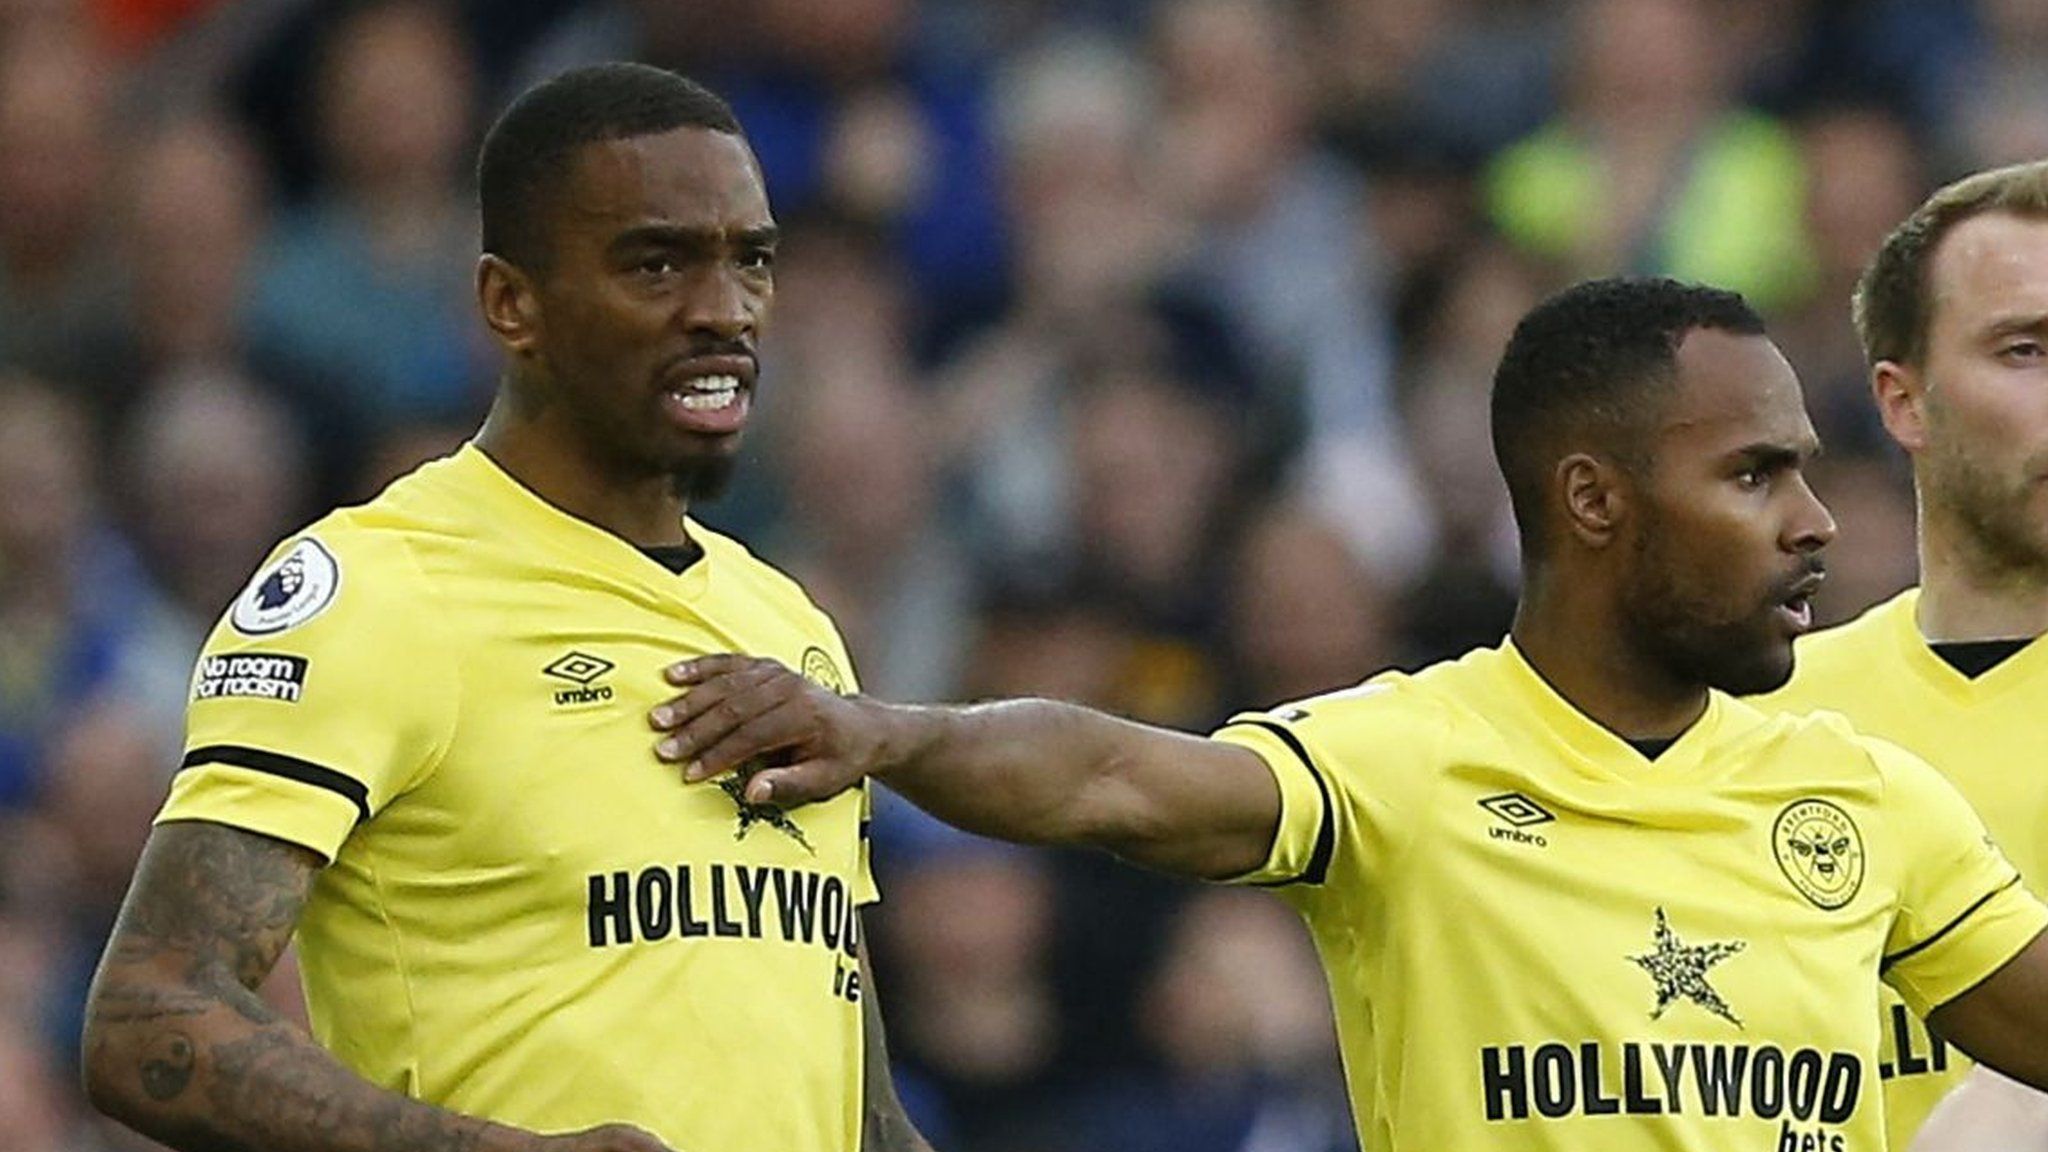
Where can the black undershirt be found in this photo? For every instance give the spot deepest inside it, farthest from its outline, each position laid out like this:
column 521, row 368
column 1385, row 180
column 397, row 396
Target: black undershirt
column 1651, row 749
column 674, row 557
column 1973, row 658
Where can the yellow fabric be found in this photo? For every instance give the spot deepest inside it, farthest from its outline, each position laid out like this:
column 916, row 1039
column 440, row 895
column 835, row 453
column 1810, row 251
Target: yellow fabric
column 1510, row 888
column 1984, row 735
column 538, row 922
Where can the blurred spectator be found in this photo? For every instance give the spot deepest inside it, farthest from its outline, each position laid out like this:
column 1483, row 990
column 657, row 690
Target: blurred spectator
column 78, row 613
column 1305, row 617
column 1466, row 597
column 860, row 466
column 1156, row 472
column 1457, row 78
column 373, row 278
column 1090, row 248
column 34, row 1114
column 971, row 1009
column 2006, row 119
column 59, row 295
column 1283, row 250
column 1651, row 165
column 1866, row 174
column 211, row 443
column 195, row 220
column 1240, row 1016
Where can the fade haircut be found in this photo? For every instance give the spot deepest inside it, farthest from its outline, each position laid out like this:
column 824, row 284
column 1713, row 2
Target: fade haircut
column 1894, row 304
column 527, row 154
column 1594, row 362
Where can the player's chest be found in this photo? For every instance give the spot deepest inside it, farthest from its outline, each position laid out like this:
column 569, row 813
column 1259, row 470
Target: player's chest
column 552, row 759
column 1759, row 911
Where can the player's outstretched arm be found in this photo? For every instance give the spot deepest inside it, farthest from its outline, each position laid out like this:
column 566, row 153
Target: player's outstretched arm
column 1033, row 771
column 1986, row 1112
column 2003, row 1021
column 179, row 1047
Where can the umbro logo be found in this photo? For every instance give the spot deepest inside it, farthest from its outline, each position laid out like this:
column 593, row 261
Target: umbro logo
column 1519, row 813
column 582, row 670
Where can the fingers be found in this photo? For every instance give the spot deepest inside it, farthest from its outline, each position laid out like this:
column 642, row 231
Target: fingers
column 710, row 692
column 711, row 712
column 698, row 669
column 799, row 783
column 773, row 730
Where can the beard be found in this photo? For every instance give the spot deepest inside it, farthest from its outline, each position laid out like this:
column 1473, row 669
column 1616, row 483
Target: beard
column 1683, row 621
column 2003, row 524
column 698, row 481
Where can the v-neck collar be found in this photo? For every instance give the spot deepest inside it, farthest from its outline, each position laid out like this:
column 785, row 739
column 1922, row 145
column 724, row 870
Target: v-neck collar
column 1599, row 748
column 1919, row 655
column 583, row 544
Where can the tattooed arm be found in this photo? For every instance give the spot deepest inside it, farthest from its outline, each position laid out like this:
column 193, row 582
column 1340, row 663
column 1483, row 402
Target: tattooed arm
column 179, row 1046
column 887, row 1128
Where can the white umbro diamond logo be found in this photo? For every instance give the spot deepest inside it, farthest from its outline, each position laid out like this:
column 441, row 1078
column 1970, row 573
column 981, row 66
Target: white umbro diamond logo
column 1517, row 809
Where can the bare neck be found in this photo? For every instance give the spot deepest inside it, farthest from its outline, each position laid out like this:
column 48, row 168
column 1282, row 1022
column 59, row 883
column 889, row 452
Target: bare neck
column 1968, row 594
column 555, row 464
column 1577, row 642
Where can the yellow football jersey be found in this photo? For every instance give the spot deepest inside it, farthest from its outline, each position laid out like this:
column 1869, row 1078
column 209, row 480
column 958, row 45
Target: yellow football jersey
column 1984, row 734
column 527, row 916
column 1536, row 939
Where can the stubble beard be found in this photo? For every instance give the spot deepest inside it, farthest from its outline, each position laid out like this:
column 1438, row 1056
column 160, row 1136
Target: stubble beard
column 1683, row 631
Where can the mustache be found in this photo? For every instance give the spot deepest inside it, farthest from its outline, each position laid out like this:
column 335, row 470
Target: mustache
column 1805, row 579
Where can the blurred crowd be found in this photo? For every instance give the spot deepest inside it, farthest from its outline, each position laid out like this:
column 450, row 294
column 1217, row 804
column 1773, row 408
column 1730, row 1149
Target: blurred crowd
column 1129, row 352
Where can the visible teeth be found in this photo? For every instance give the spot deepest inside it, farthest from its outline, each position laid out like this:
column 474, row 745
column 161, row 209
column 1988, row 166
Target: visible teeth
column 707, row 393
column 709, row 401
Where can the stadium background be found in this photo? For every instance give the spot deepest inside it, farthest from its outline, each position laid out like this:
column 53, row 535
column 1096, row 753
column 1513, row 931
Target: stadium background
column 1131, row 353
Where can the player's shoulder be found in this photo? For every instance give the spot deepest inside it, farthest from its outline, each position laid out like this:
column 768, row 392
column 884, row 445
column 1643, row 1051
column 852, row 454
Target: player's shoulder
column 1821, row 741
column 1391, row 706
column 356, row 562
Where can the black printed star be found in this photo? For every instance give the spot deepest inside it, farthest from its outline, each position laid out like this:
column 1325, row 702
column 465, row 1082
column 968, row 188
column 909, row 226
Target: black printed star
column 1680, row 971
column 735, row 786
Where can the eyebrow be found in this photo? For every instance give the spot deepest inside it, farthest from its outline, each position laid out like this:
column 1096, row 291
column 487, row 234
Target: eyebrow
column 678, row 236
column 2033, row 322
column 1777, row 454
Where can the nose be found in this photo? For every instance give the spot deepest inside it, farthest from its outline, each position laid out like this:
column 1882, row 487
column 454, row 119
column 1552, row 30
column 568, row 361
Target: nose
column 1810, row 527
column 721, row 305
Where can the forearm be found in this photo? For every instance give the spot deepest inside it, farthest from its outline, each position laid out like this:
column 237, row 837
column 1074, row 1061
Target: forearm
column 1034, row 771
column 203, row 1065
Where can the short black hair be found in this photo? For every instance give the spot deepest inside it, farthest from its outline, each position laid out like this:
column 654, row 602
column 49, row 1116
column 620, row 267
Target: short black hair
column 526, row 155
column 1597, row 356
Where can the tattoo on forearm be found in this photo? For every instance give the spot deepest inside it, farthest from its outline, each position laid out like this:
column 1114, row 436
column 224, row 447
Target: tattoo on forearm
column 188, row 1050
column 167, row 1066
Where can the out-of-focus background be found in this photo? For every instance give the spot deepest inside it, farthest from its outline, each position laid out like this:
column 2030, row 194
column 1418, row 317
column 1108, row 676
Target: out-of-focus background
column 1130, row 352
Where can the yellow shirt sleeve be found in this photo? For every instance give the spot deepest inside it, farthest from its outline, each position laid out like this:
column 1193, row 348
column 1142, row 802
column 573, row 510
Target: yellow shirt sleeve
column 1962, row 909
column 1306, row 838
column 323, row 693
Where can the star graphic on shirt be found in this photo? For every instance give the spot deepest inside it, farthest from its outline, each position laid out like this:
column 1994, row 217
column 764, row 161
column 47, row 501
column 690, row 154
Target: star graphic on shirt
column 735, row 786
column 1680, row 970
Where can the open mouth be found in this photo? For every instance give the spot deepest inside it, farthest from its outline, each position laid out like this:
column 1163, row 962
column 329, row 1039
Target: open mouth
column 707, row 393
column 709, row 396
column 1796, row 608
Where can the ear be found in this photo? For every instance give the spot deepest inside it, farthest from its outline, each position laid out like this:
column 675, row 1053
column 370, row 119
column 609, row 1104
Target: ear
column 509, row 303
column 1596, row 498
column 1901, row 394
